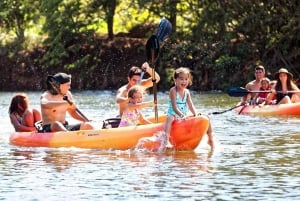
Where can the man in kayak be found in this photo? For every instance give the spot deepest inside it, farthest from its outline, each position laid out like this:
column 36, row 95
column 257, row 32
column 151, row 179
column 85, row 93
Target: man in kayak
column 135, row 77
column 56, row 102
column 254, row 85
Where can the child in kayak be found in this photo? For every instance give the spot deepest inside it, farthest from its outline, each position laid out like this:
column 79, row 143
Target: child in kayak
column 180, row 103
column 21, row 116
column 265, row 88
column 131, row 115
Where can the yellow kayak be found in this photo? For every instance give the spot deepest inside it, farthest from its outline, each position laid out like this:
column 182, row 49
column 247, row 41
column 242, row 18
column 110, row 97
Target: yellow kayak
column 185, row 135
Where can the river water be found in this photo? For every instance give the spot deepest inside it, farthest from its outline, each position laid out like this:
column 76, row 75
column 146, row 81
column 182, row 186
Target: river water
column 256, row 158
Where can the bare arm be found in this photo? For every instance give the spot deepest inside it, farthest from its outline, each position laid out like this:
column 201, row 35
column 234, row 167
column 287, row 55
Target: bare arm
column 190, row 103
column 248, row 96
column 47, row 103
column 18, row 126
column 142, row 120
column 148, row 82
column 140, row 105
column 121, row 96
column 75, row 114
column 270, row 96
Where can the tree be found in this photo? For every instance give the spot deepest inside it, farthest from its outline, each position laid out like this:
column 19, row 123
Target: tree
column 16, row 17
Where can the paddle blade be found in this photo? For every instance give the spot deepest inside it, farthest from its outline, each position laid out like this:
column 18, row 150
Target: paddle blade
column 164, row 29
column 53, row 85
column 237, row 91
column 152, row 45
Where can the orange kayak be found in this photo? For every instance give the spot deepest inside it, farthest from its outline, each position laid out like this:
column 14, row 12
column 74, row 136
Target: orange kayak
column 273, row 110
column 185, row 135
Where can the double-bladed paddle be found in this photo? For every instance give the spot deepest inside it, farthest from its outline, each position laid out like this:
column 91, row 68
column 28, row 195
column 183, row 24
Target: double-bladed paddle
column 240, row 91
column 152, row 52
column 221, row 112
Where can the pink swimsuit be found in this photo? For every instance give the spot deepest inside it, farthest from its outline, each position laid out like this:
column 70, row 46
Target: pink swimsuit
column 130, row 118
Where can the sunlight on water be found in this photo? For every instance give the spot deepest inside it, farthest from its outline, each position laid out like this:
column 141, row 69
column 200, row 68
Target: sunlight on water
column 256, row 158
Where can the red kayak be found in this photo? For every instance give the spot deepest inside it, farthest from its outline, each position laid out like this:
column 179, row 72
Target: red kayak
column 273, row 110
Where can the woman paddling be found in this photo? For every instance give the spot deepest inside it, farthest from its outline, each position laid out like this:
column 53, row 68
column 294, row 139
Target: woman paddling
column 284, row 84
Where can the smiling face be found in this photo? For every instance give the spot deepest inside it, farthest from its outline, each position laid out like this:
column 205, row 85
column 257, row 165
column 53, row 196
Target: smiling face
column 182, row 77
column 264, row 84
column 136, row 98
column 135, row 94
column 182, row 80
column 259, row 74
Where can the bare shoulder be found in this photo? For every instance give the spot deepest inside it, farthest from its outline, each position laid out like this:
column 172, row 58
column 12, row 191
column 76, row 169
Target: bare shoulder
column 122, row 89
column 173, row 89
column 250, row 84
column 46, row 94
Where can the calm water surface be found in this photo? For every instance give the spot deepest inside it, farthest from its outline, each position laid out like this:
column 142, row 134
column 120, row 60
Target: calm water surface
column 256, row 158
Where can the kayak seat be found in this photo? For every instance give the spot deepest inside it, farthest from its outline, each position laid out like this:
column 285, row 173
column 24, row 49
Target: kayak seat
column 111, row 123
column 39, row 126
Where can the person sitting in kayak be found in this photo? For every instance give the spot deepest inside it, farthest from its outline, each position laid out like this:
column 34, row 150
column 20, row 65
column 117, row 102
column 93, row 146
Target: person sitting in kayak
column 135, row 78
column 254, row 85
column 284, row 84
column 180, row 103
column 131, row 115
column 21, row 116
column 56, row 101
column 265, row 88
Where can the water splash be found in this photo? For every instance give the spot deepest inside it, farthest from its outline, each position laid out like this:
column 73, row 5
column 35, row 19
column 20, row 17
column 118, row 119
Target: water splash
column 156, row 143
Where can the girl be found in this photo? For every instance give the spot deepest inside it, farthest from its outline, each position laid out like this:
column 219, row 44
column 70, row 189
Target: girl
column 131, row 115
column 260, row 97
column 21, row 116
column 284, row 84
column 180, row 102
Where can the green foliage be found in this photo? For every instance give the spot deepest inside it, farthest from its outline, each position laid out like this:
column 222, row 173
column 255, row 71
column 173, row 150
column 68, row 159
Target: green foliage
column 15, row 17
column 218, row 40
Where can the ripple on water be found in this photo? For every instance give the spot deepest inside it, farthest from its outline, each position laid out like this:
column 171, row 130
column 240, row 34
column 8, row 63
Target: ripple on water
column 256, row 158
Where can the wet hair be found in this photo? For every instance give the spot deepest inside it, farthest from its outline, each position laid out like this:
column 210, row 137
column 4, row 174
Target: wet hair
column 19, row 103
column 134, row 70
column 54, row 82
column 135, row 89
column 183, row 70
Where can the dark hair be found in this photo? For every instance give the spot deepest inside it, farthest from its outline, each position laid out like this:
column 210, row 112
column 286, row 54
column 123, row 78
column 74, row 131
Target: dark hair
column 54, row 82
column 289, row 83
column 19, row 103
column 260, row 67
column 134, row 70
column 183, row 70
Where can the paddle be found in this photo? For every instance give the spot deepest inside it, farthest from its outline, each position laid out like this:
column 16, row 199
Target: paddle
column 55, row 87
column 152, row 53
column 221, row 112
column 240, row 91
